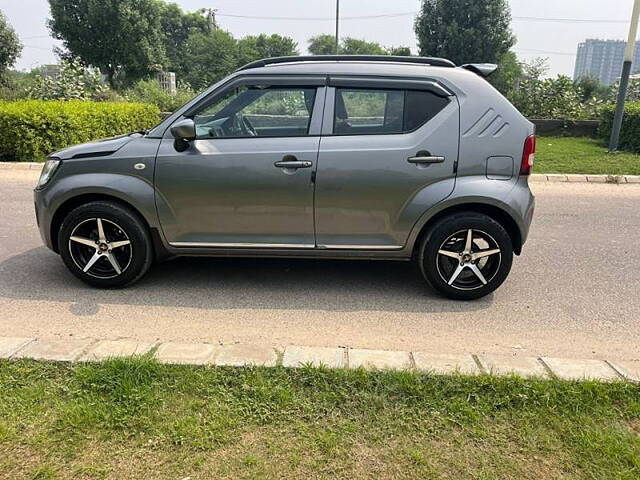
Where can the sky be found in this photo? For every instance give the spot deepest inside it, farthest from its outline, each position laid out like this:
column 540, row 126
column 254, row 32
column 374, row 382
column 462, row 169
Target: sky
column 541, row 26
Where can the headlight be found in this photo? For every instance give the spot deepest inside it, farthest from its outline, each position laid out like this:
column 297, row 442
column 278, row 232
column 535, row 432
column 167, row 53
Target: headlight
column 47, row 171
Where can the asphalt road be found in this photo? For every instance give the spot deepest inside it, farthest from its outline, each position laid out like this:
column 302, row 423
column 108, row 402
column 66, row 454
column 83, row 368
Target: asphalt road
column 575, row 291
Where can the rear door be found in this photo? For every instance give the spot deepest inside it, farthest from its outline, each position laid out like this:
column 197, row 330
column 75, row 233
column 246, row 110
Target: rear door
column 388, row 153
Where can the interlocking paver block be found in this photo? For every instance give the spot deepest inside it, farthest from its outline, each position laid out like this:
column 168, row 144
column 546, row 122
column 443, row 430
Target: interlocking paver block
column 65, row 349
column 630, row 369
column 387, row 359
column 298, row 356
column 444, row 364
column 10, row 345
column 576, row 369
column 117, row 348
column 507, row 364
column 186, row 353
column 239, row 354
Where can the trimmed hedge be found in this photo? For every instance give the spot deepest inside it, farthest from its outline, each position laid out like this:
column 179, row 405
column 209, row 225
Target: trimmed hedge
column 32, row 129
column 630, row 132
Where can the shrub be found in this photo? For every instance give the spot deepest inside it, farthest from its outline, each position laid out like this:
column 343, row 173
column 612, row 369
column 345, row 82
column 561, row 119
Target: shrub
column 150, row 91
column 32, row 129
column 630, row 132
column 74, row 81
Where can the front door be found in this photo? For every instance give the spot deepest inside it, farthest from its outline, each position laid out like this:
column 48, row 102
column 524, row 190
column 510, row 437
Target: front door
column 246, row 181
column 387, row 155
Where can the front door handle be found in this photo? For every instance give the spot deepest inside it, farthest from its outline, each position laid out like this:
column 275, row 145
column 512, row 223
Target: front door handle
column 421, row 159
column 290, row 161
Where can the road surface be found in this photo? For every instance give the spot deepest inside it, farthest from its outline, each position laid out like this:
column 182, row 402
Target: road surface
column 575, row 291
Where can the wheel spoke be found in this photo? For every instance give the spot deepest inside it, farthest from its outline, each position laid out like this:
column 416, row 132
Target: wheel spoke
column 448, row 253
column 469, row 243
column 459, row 268
column 114, row 263
column 119, row 244
column 85, row 241
column 92, row 260
column 101, row 235
column 484, row 253
column 474, row 268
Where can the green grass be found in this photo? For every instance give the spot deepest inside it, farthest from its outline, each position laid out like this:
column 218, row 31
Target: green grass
column 135, row 418
column 582, row 155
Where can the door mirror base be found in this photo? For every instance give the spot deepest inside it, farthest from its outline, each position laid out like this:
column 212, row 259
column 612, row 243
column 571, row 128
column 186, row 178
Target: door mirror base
column 183, row 131
column 181, row 144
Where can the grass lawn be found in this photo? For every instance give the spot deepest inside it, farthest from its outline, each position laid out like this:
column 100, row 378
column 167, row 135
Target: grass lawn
column 582, row 155
column 135, row 418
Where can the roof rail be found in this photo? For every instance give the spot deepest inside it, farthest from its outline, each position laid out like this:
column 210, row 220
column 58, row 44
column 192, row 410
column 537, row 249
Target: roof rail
column 432, row 61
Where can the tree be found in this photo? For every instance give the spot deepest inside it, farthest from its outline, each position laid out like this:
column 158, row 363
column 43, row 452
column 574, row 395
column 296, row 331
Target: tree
column 322, row 45
column 508, row 74
column 326, row 45
column 113, row 35
column 264, row 46
column 355, row 46
column 590, row 87
column 465, row 31
column 10, row 46
column 176, row 27
column 208, row 57
column 401, row 51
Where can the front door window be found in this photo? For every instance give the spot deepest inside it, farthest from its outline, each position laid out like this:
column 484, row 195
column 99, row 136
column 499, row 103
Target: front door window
column 258, row 111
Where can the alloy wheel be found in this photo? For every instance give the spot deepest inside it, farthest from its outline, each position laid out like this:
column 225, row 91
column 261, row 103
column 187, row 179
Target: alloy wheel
column 469, row 259
column 100, row 248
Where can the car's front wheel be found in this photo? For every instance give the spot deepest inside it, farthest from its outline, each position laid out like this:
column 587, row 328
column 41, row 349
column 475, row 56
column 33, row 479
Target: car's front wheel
column 105, row 244
column 466, row 255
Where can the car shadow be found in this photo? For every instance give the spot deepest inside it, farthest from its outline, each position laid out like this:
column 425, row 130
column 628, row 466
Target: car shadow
column 237, row 283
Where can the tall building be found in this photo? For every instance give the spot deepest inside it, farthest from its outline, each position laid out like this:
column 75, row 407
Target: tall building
column 603, row 59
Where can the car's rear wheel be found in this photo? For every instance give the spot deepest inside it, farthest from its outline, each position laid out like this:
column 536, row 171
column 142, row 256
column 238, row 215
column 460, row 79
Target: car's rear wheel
column 105, row 244
column 466, row 255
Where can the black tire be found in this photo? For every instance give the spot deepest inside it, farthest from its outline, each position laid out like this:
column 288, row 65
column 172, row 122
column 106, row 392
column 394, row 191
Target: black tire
column 450, row 235
column 120, row 225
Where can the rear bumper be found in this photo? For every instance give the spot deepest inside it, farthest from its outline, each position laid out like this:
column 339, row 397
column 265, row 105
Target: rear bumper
column 524, row 203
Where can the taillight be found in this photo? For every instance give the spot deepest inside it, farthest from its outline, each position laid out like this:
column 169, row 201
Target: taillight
column 528, row 155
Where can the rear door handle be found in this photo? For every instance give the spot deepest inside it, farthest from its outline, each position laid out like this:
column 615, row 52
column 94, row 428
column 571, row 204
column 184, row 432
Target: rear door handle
column 422, row 159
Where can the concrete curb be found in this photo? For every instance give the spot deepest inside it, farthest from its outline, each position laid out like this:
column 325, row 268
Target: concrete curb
column 21, row 165
column 73, row 349
column 583, row 178
column 536, row 177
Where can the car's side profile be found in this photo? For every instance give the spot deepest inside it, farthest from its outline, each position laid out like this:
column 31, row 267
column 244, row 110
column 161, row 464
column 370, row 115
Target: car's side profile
column 326, row 157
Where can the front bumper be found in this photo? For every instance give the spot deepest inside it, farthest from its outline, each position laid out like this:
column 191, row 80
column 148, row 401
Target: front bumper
column 43, row 217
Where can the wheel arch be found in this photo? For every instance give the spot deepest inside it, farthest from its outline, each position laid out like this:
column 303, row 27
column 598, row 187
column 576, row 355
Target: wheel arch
column 497, row 213
column 71, row 203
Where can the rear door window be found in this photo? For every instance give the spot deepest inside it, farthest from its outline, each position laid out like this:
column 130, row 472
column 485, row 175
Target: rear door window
column 361, row 111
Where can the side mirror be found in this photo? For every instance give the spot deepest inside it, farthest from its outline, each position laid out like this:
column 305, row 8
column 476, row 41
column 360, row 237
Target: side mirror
column 183, row 131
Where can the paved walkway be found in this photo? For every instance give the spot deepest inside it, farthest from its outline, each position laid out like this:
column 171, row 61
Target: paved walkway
column 87, row 349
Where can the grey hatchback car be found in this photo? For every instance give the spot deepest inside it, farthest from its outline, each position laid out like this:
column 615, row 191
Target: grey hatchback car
column 342, row 157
